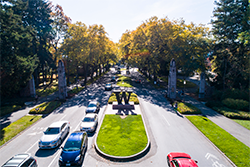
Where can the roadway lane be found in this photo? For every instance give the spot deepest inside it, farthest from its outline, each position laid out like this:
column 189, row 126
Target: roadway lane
column 168, row 131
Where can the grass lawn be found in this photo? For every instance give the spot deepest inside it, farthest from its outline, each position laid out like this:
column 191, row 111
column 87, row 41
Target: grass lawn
column 9, row 109
column 186, row 108
column 124, row 81
column 16, row 127
column 245, row 123
column 235, row 150
column 122, row 137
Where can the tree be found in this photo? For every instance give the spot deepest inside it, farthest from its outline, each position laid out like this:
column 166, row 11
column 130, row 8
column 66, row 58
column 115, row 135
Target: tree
column 230, row 50
column 18, row 62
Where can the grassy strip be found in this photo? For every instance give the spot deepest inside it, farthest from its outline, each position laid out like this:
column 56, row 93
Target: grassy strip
column 231, row 113
column 133, row 98
column 124, row 81
column 45, row 108
column 16, row 127
column 186, row 108
column 122, row 137
column 235, row 150
column 245, row 123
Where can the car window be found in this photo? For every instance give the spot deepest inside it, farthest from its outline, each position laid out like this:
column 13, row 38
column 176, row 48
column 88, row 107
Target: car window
column 175, row 163
column 91, row 105
column 52, row 131
column 63, row 125
column 27, row 163
column 72, row 145
column 87, row 119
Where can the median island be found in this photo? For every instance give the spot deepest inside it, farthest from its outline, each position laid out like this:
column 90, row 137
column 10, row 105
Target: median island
column 122, row 134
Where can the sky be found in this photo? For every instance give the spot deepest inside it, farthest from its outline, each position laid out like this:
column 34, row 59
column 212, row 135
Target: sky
column 117, row 16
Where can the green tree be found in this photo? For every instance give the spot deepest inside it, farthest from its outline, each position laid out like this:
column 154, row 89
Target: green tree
column 18, row 62
column 231, row 26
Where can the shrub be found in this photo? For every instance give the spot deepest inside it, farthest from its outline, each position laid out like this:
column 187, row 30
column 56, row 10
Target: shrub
column 233, row 114
column 230, row 93
column 9, row 109
column 213, row 103
column 186, row 108
column 133, row 98
column 237, row 104
column 45, row 108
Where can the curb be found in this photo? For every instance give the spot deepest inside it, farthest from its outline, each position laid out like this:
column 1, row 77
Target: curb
column 123, row 158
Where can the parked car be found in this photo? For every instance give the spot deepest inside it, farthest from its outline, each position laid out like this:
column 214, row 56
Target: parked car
column 89, row 123
column 113, row 78
column 74, row 149
column 21, row 160
column 93, row 107
column 179, row 159
column 108, row 86
column 54, row 135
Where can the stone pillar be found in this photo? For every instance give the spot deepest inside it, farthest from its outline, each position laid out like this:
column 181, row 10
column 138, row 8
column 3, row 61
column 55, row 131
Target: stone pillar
column 172, row 80
column 202, row 86
column 32, row 87
column 62, row 94
column 29, row 90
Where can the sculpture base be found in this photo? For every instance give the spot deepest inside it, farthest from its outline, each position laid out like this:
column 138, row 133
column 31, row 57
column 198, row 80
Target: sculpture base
column 131, row 106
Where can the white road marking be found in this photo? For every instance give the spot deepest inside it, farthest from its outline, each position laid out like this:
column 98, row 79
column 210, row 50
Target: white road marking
column 54, row 159
column 166, row 120
column 32, row 146
column 208, row 155
column 63, row 117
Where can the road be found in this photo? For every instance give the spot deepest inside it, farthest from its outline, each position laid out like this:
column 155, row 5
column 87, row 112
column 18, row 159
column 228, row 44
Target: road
column 168, row 131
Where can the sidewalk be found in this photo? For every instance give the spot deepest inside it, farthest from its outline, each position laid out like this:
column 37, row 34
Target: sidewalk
column 236, row 130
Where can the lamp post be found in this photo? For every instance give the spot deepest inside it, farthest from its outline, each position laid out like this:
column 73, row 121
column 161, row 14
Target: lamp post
column 184, row 82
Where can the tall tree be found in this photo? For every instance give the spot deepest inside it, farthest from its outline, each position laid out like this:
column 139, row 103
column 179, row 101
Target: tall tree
column 18, row 62
column 231, row 24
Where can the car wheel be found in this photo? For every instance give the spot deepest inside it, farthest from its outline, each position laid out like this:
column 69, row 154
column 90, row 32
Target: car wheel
column 168, row 161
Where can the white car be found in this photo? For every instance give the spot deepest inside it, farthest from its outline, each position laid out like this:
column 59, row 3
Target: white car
column 93, row 107
column 89, row 123
column 54, row 135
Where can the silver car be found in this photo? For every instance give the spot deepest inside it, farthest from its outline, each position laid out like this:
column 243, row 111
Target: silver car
column 89, row 123
column 54, row 135
column 93, row 107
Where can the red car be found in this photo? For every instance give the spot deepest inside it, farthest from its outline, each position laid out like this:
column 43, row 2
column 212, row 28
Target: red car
column 179, row 159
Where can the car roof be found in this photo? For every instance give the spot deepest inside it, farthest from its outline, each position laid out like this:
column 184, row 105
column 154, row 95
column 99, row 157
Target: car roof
column 90, row 115
column 179, row 155
column 58, row 124
column 184, row 162
column 16, row 160
column 75, row 136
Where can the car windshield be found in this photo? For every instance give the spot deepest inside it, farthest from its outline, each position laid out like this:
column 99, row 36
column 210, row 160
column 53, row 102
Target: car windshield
column 52, row 131
column 72, row 145
column 92, row 105
column 87, row 119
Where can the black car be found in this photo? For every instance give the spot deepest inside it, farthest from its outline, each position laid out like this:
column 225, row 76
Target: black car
column 21, row 160
column 74, row 149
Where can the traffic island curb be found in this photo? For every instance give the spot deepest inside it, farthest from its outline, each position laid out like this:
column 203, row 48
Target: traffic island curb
column 123, row 158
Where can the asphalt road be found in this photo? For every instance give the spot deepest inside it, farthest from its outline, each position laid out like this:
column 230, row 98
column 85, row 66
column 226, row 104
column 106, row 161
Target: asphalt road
column 169, row 131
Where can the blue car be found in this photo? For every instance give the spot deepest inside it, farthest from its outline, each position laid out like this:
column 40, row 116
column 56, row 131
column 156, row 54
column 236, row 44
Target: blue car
column 74, row 149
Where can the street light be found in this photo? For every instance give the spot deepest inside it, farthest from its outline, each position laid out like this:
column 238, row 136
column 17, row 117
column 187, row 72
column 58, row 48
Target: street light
column 184, row 82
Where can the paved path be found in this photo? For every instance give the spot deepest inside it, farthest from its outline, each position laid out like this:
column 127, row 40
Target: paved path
column 238, row 131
